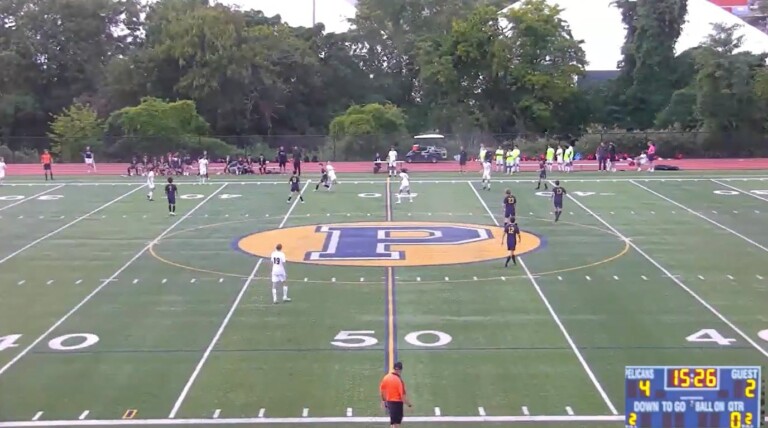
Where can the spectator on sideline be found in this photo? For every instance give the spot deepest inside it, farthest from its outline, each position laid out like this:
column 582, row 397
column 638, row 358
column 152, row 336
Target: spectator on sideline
column 393, row 395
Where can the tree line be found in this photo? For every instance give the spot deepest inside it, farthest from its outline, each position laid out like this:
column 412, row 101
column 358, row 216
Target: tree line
column 127, row 78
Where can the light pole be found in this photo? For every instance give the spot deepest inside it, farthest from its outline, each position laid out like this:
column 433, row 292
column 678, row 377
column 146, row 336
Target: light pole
column 314, row 12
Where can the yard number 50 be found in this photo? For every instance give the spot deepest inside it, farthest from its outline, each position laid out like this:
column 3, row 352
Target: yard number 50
column 366, row 338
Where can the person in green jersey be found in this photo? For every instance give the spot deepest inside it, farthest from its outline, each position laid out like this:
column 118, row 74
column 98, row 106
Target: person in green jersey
column 550, row 157
column 508, row 161
column 499, row 157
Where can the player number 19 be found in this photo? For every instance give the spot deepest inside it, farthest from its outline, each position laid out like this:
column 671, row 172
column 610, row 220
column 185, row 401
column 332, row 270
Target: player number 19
column 276, row 260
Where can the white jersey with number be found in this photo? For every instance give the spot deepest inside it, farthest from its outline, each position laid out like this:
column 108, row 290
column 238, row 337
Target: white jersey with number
column 392, row 158
column 278, row 266
column 151, row 179
column 3, row 167
column 486, row 170
column 405, row 181
column 202, row 166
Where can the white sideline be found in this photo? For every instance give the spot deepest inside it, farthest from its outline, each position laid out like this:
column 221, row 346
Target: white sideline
column 105, row 282
column 31, row 197
column 555, row 317
column 220, row 331
column 740, row 190
column 38, row 240
column 308, row 420
column 727, row 229
column 673, row 278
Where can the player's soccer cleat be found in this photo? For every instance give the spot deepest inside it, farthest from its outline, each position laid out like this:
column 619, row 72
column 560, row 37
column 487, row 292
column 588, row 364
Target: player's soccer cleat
column 286, row 299
column 302, row 201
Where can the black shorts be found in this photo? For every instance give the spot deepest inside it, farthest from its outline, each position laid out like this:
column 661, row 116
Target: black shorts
column 511, row 244
column 46, row 167
column 462, row 162
column 172, row 200
column 395, row 410
column 651, row 158
column 559, row 204
column 542, row 176
column 282, row 163
column 294, row 188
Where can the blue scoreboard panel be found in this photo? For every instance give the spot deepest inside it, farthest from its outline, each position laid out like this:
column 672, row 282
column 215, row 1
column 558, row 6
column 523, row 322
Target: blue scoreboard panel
column 692, row 397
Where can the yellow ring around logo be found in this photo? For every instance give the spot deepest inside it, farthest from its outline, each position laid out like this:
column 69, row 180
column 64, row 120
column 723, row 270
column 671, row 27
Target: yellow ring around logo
column 407, row 243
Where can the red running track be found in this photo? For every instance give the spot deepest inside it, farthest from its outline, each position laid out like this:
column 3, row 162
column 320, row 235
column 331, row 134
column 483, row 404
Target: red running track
column 448, row 166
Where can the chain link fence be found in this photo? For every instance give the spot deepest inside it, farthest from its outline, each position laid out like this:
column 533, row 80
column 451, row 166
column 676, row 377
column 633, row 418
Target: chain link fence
column 365, row 148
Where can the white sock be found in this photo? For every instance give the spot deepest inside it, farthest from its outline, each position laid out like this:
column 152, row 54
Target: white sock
column 149, row 195
column 285, row 292
column 274, row 294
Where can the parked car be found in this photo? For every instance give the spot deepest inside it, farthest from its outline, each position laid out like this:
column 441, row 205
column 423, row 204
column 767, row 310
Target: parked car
column 430, row 154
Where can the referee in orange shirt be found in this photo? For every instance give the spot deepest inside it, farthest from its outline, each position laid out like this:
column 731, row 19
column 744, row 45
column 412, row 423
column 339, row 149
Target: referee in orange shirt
column 393, row 395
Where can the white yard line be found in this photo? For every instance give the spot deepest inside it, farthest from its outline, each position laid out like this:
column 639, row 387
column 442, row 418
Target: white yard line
column 75, row 221
column 741, row 191
column 106, row 282
column 225, row 322
column 725, row 228
column 555, row 317
column 31, row 197
column 673, row 278
column 308, row 420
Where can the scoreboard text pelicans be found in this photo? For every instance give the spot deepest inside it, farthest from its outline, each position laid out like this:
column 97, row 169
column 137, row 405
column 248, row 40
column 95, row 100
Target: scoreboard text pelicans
column 693, row 397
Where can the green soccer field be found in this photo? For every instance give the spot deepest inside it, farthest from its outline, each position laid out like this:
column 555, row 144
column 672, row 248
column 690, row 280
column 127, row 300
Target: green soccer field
column 112, row 311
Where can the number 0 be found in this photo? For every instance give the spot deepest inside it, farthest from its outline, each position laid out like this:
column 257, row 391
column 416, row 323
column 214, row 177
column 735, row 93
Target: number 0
column 87, row 340
column 442, row 338
column 735, row 420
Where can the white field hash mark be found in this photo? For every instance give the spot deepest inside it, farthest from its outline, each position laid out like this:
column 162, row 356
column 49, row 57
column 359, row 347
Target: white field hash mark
column 105, row 282
column 225, row 322
column 725, row 228
column 677, row 281
column 554, row 315
column 77, row 220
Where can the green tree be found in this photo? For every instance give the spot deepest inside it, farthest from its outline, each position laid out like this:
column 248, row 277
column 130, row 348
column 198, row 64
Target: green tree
column 728, row 102
column 646, row 82
column 365, row 130
column 73, row 129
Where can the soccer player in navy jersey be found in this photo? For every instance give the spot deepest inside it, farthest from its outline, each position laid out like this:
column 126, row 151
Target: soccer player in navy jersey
column 557, row 196
column 512, row 236
column 171, row 191
column 510, row 203
column 294, row 181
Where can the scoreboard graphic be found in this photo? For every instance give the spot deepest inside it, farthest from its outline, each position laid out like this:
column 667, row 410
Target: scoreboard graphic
column 693, row 397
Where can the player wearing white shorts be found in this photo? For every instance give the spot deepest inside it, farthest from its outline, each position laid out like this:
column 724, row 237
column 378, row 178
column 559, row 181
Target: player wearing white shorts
column 3, row 167
column 405, row 186
column 559, row 157
column 278, row 273
column 331, row 175
column 392, row 161
column 486, row 175
column 150, row 183
column 90, row 163
column 202, row 167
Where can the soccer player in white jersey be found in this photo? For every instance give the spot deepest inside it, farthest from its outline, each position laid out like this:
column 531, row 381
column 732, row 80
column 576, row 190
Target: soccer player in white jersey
column 278, row 273
column 486, row 175
column 392, row 161
column 3, row 167
column 559, row 157
column 202, row 167
column 405, row 186
column 150, row 183
column 331, row 175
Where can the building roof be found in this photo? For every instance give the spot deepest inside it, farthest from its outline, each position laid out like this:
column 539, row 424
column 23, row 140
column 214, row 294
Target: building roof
column 598, row 23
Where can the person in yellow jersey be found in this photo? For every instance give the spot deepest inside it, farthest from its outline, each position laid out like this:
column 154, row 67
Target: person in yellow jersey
column 569, row 158
column 499, row 157
column 550, row 157
column 509, row 161
column 515, row 159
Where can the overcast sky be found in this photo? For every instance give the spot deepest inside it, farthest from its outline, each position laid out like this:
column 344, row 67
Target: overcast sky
column 332, row 13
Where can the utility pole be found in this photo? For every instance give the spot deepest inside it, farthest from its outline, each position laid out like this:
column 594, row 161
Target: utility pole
column 314, row 12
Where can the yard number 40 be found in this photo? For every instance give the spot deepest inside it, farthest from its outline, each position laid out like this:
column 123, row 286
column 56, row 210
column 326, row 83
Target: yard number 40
column 710, row 335
column 74, row 341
